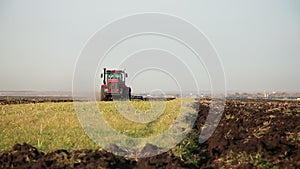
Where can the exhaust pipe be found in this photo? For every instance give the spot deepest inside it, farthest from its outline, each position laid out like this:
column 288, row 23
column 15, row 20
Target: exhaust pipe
column 104, row 74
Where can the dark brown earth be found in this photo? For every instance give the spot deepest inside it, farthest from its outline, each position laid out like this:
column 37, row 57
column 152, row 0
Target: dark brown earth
column 251, row 134
column 33, row 99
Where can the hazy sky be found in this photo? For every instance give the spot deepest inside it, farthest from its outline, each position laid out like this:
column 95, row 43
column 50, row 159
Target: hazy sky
column 258, row 41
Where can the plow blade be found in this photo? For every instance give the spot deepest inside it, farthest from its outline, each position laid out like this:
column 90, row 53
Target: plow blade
column 150, row 98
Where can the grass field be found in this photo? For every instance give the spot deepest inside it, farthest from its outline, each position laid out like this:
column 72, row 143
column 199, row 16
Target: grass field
column 51, row 125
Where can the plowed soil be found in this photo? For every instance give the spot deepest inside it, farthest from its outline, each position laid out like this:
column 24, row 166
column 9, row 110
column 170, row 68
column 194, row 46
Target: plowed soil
column 33, row 99
column 251, row 134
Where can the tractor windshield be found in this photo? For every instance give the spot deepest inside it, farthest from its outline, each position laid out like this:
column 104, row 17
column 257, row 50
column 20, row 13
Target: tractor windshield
column 115, row 76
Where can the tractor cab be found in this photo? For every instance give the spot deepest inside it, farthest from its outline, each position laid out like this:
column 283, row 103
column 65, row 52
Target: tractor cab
column 116, row 75
column 113, row 76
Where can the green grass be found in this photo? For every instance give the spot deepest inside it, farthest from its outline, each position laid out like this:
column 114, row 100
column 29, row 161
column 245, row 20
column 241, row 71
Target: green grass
column 50, row 126
column 44, row 125
column 238, row 160
column 137, row 129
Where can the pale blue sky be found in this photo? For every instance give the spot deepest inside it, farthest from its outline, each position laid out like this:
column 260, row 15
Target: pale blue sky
column 257, row 41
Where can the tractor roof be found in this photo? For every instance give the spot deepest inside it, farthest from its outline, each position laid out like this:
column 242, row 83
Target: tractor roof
column 115, row 71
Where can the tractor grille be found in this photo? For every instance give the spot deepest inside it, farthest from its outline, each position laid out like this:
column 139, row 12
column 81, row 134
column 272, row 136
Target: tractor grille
column 113, row 86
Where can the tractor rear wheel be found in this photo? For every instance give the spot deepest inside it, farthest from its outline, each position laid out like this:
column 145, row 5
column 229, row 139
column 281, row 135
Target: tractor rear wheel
column 129, row 93
column 125, row 93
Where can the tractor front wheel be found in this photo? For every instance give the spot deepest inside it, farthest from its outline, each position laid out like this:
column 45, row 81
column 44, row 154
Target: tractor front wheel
column 102, row 94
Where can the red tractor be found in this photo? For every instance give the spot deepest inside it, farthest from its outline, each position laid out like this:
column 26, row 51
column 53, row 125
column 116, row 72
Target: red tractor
column 114, row 86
